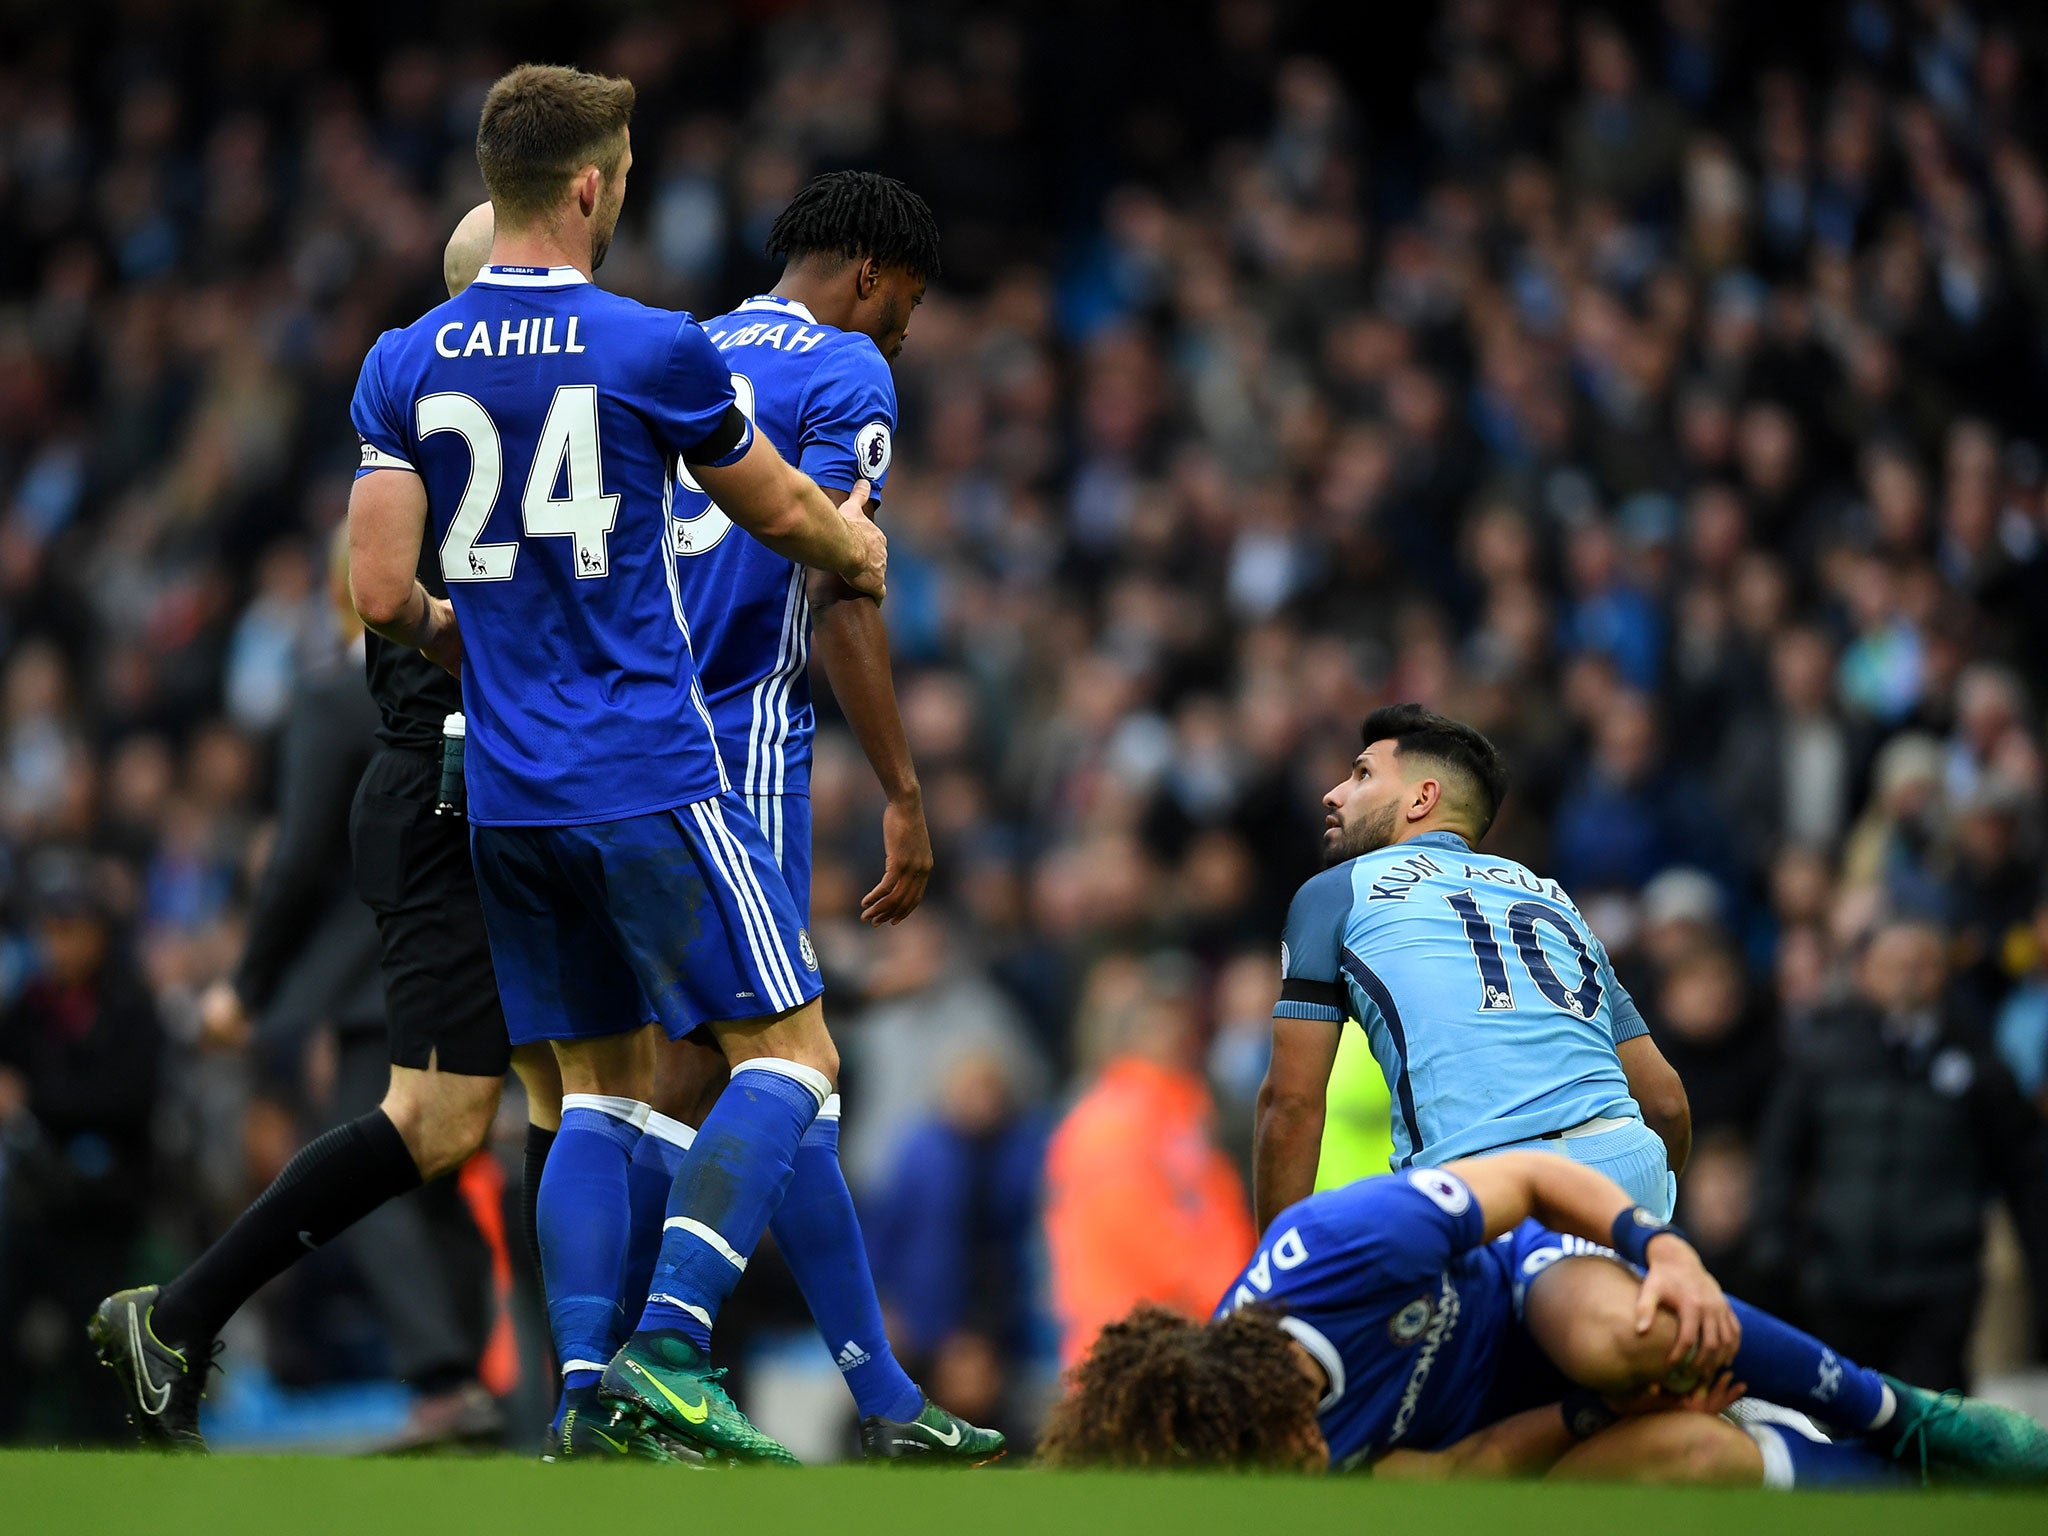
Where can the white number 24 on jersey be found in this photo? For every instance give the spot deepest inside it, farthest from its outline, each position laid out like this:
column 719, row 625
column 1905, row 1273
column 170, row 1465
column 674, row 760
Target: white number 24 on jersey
column 567, row 453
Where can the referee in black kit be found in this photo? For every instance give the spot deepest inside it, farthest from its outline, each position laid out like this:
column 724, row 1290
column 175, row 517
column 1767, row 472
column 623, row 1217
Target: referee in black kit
column 449, row 1049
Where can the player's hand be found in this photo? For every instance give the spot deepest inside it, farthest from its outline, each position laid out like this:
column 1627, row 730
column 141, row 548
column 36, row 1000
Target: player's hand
column 869, row 576
column 1710, row 1398
column 907, row 844
column 442, row 643
column 1708, row 1333
column 223, row 1022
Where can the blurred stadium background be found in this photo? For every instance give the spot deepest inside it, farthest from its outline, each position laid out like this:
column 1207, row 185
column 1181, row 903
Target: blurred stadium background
column 1660, row 388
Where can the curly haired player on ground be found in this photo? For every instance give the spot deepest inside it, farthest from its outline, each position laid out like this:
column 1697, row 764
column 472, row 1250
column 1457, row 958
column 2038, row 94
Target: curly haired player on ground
column 1469, row 1320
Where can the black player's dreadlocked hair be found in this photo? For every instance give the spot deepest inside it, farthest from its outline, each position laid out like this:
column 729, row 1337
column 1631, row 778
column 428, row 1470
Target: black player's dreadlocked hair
column 855, row 214
column 1162, row 1391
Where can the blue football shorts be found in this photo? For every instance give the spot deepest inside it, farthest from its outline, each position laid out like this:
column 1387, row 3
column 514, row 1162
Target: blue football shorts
column 786, row 827
column 680, row 915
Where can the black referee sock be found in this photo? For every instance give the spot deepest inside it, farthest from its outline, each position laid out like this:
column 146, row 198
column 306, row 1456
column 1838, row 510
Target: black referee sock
column 332, row 1184
column 538, row 1139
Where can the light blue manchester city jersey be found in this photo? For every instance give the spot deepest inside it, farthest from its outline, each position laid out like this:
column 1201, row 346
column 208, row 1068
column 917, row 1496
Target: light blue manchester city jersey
column 826, row 399
column 1491, row 1007
column 546, row 417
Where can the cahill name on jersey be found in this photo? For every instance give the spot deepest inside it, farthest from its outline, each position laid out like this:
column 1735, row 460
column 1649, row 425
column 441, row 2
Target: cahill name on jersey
column 826, row 399
column 1491, row 1006
column 546, row 416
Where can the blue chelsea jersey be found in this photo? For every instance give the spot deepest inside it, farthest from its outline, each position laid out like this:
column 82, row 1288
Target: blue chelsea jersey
column 1388, row 1285
column 546, row 416
column 826, row 399
column 1490, row 1005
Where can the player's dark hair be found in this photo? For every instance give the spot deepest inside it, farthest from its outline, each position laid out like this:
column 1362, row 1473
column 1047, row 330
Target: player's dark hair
column 1160, row 1390
column 541, row 124
column 1422, row 732
column 853, row 214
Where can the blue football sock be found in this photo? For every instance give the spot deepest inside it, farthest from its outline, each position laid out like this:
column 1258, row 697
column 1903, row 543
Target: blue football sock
column 819, row 1236
column 1792, row 1460
column 731, row 1181
column 656, row 1162
column 582, row 1216
column 1795, row 1370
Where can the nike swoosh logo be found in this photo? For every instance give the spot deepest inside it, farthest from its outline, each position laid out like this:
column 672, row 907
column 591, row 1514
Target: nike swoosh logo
column 617, row 1445
column 307, row 1238
column 696, row 1412
column 946, row 1440
column 154, row 1399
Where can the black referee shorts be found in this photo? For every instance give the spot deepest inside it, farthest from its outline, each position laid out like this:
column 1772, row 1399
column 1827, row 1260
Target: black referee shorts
column 413, row 871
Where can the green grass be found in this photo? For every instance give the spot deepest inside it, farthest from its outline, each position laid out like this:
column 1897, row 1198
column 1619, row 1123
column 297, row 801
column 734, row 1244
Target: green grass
column 91, row 1492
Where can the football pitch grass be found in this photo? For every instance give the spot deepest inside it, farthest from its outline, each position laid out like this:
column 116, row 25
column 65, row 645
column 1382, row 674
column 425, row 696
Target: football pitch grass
column 93, row 1492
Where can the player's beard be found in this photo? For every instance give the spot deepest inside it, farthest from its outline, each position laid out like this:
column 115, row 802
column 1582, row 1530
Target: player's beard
column 1375, row 831
column 601, row 236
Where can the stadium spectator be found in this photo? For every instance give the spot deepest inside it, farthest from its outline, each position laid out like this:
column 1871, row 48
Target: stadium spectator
column 81, row 1055
column 953, row 1236
column 1887, row 1137
column 1140, row 1203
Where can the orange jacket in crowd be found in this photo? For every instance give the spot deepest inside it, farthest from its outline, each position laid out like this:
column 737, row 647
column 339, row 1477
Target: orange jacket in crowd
column 1140, row 1205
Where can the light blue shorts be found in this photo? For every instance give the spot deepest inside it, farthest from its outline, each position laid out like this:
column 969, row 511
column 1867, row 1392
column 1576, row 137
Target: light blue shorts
column 1632, row 1155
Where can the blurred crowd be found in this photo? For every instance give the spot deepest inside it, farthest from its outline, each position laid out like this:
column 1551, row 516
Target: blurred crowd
column 1657, row 388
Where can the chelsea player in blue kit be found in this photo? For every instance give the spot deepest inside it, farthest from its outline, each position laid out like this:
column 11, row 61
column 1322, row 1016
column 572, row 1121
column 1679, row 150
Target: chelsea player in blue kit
column 811, row 370
column 1490, row 1005
column 810, row 365
column 1508, row 1315
column 532, row 425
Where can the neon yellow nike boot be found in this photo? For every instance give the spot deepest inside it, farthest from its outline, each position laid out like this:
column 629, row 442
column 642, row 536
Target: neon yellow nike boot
column 662, row 1373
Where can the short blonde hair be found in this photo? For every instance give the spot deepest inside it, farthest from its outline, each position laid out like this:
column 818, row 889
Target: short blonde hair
column 541, row 124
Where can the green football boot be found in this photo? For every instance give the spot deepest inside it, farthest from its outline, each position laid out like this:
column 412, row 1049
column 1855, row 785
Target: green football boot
column 663, row 1374
column 934, row 1435
column 616, row 1432
column 162, row 1384
column 1955, row 1438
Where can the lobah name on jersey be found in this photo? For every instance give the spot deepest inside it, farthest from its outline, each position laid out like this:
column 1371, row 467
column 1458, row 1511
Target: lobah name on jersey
column 533, row 336
column 783, row 335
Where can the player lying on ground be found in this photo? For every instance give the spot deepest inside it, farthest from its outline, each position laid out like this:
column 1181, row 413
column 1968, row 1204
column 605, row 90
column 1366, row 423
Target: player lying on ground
column 810, row 367
column 1471, row 1320
column 1490, row 1004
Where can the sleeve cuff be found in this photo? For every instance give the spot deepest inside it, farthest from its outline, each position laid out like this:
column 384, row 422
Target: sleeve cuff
column 381, row 458
column 1291, row 1008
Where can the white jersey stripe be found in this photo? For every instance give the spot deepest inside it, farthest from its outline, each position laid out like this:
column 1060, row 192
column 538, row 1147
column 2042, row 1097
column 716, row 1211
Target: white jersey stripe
column 769, row 729
column 778, row 952
column 750, row 921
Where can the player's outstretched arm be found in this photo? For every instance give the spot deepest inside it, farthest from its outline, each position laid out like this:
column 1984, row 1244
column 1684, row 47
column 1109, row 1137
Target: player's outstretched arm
column 1569, row 1197
column 851, row 642
column 387, row 518
column 782, row 507
column 1287, row 1141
